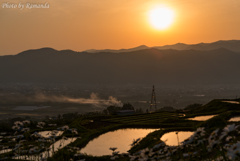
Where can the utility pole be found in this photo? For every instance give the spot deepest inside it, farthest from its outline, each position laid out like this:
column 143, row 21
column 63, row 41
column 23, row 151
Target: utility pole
column 153, row 100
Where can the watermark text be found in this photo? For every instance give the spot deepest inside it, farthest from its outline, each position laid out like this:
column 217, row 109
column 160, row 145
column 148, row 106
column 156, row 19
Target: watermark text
column 21, row 6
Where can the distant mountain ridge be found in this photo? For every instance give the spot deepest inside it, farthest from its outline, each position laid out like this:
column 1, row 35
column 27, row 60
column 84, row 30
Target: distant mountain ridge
column 146, row 66
column 233, row 45
column 118, row 51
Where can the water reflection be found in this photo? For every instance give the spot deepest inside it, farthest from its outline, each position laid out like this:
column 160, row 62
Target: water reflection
column 201, row 118
column 120, row 138
column 5, row 151
column 235, row 119
column 182, row 115
column 234, row 102
column 56, row 146
column 171, row 137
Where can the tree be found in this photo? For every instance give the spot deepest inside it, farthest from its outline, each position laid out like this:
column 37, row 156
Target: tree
column 69, row 116
column 167, row 108
column 59, row 116
column 114, row 109
column 127, row 106
column 139, row 110
column 47, row 117
column 192, row 106
column 111, row 109
column 105, row 111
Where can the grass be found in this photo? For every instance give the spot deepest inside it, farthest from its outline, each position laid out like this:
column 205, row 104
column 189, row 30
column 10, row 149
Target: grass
column 215, row 106
column 154, row 138
column 149, row 118
column 90, row 127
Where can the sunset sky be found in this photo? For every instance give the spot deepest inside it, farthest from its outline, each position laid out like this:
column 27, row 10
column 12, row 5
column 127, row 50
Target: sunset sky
column 114, row 24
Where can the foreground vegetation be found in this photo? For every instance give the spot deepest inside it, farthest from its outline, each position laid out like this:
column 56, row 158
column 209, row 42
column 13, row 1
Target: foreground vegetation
column 214, row 139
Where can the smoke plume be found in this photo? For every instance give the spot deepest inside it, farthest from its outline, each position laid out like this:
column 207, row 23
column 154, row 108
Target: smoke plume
column 94, row 100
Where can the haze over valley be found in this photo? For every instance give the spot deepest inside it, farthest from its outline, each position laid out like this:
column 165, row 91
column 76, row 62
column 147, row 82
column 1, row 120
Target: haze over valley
column 69, row 81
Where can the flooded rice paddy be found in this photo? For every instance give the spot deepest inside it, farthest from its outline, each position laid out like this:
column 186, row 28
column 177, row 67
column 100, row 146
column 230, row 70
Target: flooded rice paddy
column 201, row 118
column 121, row 139
column 176, row 137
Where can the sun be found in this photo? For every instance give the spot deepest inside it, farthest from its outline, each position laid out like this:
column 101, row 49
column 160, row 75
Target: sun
column 161, row 17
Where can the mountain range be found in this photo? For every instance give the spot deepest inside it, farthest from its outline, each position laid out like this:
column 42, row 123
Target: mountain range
column 147, row 66
column 233, row 45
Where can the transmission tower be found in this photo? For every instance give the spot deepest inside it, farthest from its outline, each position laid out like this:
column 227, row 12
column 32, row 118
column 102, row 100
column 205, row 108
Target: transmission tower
column 153, row 100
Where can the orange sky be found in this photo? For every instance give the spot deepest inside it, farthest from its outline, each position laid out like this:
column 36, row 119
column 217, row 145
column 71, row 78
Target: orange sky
column 114, row 24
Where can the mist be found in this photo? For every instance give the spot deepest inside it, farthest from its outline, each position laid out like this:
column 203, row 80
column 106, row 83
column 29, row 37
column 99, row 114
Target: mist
column 93, row 100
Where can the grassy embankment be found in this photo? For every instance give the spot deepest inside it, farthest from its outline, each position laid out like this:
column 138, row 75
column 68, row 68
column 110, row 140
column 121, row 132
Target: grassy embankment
column 91, row 127
column 169, row 121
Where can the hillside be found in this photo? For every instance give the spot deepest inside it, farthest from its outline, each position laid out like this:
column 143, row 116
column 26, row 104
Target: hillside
column 148, row 66
column 218, row 106
column 233, row 45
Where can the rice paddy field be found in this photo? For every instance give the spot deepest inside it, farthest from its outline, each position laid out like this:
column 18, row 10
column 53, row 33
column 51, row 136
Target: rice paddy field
column 215, row 138
column 151, row 118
